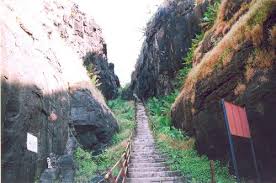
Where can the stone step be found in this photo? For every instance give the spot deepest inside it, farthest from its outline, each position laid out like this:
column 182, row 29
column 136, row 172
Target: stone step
column 135, row 139
column 146, row 165
column 153, row 156
column 143, row 150
column 147, row 147
column 147, row 156
column 156, row 180
column 146, row 142
column 143, row 144
column 145, row 139
column 153, row 174
column 148, row 169
column 146, row 160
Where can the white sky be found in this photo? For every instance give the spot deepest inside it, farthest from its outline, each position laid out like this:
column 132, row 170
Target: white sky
column 122, row 23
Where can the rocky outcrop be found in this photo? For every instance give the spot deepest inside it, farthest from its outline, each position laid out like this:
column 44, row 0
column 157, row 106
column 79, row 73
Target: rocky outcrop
column 41, row 91
column 92, row 120
column 168, row 38
column 85, row 37
column 235, row 61
column 108, row 82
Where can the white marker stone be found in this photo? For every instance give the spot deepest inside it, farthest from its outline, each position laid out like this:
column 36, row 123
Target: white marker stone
column 31, row 142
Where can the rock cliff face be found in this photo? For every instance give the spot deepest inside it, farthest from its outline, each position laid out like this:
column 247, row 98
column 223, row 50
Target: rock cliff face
column 45, row 87
column 168, row 37
column 85, row 37
column 235, row 61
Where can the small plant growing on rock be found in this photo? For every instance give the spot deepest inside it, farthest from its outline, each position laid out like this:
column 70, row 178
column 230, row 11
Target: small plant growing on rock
column 91, row 73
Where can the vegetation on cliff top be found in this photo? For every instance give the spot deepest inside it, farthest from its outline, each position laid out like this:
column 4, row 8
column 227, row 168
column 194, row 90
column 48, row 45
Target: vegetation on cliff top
column 89, row 165
column 247, row 28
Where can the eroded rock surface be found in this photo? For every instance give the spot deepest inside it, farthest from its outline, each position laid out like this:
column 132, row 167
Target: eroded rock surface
column 85, row 37
column 168, row 38
column 39, row 69
column 235, row 61
column 94, row 123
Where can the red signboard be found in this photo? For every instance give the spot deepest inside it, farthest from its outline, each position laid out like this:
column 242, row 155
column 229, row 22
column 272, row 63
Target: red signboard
column 237, row 120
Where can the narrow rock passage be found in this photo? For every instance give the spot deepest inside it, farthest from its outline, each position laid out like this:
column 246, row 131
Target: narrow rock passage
column 146, row 164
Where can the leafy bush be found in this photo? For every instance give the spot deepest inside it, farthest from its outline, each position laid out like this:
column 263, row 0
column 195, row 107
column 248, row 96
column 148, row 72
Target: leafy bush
column 210, row 15
column 188, row 60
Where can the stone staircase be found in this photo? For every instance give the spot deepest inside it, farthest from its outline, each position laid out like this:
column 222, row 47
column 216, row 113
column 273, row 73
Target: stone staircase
column 146, row 164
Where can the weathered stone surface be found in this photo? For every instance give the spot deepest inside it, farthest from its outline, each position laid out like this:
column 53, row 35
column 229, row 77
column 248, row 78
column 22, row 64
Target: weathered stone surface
column 85, row 37
column 93, row 121
column 108, row 81
column 62, row 172
column 240, row 68
column 49, row 175
column 66, row 166
column 168, row 37
column 38, row 68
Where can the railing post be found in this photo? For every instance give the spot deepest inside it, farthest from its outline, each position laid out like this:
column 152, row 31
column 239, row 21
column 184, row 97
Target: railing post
column 212, row 169
column 122, row 163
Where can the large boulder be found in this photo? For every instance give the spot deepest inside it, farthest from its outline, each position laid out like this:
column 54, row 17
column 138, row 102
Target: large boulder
column 168, row 37
column 235, row 61
column 38, row 69
column 94, row 123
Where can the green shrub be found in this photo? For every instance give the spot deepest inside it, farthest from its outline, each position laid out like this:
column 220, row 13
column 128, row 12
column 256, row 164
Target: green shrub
column 188, row 60
column 89, row 165
column 210, row 15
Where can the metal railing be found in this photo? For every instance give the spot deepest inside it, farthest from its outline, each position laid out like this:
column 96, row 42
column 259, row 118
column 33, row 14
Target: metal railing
column 122, row 163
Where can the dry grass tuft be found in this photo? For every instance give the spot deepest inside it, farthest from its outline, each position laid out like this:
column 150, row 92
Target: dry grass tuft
column 273, row 36
column 261, row 59
column 177, row 144
column 247, row 28
column 240, row 88
column 220, row 28
column 250, row 72
column 257, row 35
column 225, row 4
column 199, row 2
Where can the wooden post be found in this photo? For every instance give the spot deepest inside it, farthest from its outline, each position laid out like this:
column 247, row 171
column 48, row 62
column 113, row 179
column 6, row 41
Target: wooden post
column 212, row 169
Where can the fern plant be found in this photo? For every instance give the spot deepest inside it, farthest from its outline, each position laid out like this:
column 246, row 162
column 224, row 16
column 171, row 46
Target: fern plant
column 211, row 14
